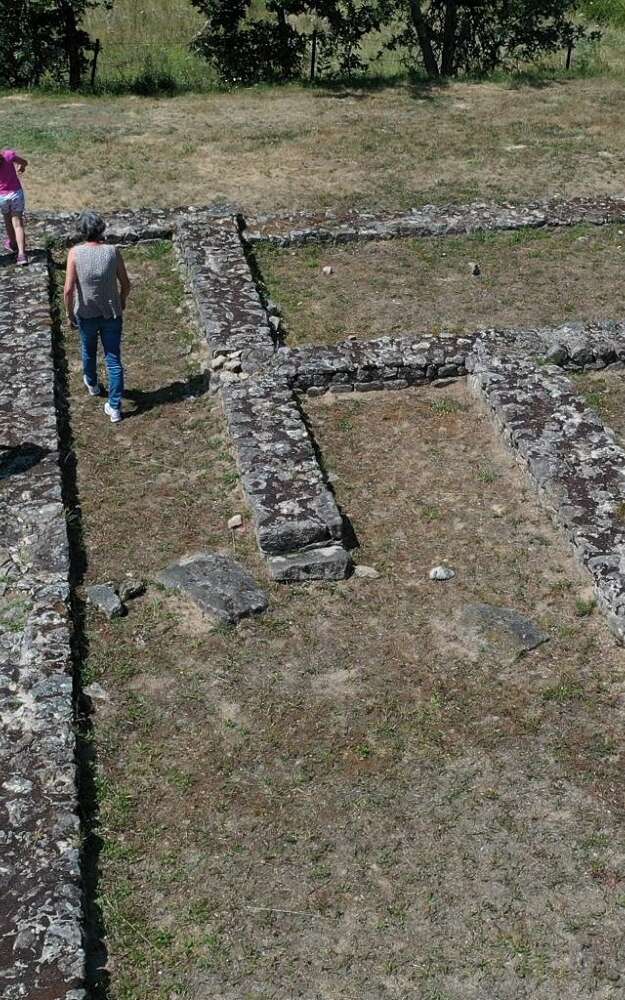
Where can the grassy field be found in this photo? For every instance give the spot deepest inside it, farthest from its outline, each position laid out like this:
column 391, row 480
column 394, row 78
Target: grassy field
column 358, row 790
column 289, row 148
column 528, row 278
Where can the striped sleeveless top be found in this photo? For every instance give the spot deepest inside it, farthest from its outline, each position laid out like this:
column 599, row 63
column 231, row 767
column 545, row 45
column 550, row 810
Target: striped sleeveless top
column 97, row 291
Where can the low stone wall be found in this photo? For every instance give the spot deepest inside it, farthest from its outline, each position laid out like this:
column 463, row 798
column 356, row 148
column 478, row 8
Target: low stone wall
column 293, row 509
column 386, row 363
column 41, row 952
column 229, row 310
column 299, row 229
column 572, row 459
column 126, row 227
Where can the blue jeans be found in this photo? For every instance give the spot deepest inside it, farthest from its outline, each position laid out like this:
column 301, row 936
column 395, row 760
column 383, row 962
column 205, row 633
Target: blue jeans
column 110, row 331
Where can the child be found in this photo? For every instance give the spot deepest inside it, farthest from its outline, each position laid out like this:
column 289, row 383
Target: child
column 12, row 202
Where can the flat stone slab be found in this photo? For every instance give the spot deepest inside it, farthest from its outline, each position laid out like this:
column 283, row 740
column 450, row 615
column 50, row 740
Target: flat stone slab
column 502, row 626
column 330, row 563
column 218, row 585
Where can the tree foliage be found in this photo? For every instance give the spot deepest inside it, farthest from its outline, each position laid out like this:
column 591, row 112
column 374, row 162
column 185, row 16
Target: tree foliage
column 248, row 49
column 43, row 38
column 476, row 36
column 443, row 37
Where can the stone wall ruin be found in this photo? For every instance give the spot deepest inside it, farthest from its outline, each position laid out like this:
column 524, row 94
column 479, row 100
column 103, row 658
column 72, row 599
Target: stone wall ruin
column 571, row 457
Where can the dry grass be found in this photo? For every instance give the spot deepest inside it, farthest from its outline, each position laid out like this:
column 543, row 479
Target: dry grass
column 352, row 791
column 529, row 278
column 605, row 392
column 296, row 148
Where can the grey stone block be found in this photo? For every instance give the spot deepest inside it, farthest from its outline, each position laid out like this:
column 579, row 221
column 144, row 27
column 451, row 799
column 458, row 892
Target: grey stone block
column 105, row 599
column 218, row 585
column 330, row 563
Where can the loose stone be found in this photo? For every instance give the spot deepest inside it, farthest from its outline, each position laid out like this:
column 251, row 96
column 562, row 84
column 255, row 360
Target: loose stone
column 442, row 573
column 217, row 584
column 235, row 522
column 130, row 588
column 474, row 268
column 103, row 597
column 95, row 694
column 366, row 572
column 327, row 270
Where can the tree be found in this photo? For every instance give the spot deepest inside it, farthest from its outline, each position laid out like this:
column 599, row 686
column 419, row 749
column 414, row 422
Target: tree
column 42, row 38
column 248, row 49
column 476, row 36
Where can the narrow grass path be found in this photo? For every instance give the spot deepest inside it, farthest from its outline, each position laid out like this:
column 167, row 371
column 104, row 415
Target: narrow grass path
column 353, row 795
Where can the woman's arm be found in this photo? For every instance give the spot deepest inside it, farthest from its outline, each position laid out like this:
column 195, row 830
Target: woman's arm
column 70, row 287
column 124, row 280
column 21, row 164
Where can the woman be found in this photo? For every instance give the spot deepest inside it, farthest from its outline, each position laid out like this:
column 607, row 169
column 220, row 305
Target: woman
column 96, row 291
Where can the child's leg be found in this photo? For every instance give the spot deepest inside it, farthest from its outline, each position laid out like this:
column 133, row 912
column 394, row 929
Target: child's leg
column 8, row 225
column 89, row 339
column 111, row 333
column 17, row 224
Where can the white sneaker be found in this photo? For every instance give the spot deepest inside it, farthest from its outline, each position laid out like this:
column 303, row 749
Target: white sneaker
column 115, row 415
column 93, row 390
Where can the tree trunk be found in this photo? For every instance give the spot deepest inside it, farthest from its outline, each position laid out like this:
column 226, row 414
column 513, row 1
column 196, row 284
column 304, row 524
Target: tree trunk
column 72, row 46
column 448, row 62
column 283, row 35
column 421, row 28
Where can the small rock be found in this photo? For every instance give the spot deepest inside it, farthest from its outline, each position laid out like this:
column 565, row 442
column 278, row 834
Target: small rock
column 275, row 322
column 227, row 376
column 474, row 267
column 557, row 356
column 235, row 522
column 232, row 366
column 327, row 270
column 366, row 572
column 440, row 383
column 235, row 354
column 442, row 573
column 130, row 588
column 498, row 509
column 103, row 597
column 218, row 362
column 95, row 693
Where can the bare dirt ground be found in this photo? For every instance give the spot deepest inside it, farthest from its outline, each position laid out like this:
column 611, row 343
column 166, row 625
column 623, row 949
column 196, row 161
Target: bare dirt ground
column 528, row 278
column 355, row 795
column 291, row 148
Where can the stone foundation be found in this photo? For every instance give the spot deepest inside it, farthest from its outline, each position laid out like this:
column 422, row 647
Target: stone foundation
column 571, row 457
column 41, row 953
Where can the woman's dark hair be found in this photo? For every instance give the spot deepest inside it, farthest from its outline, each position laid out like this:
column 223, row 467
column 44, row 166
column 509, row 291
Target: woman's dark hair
column 90, row 226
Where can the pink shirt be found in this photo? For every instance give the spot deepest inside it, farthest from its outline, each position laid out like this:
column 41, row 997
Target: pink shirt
column 9, row 181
